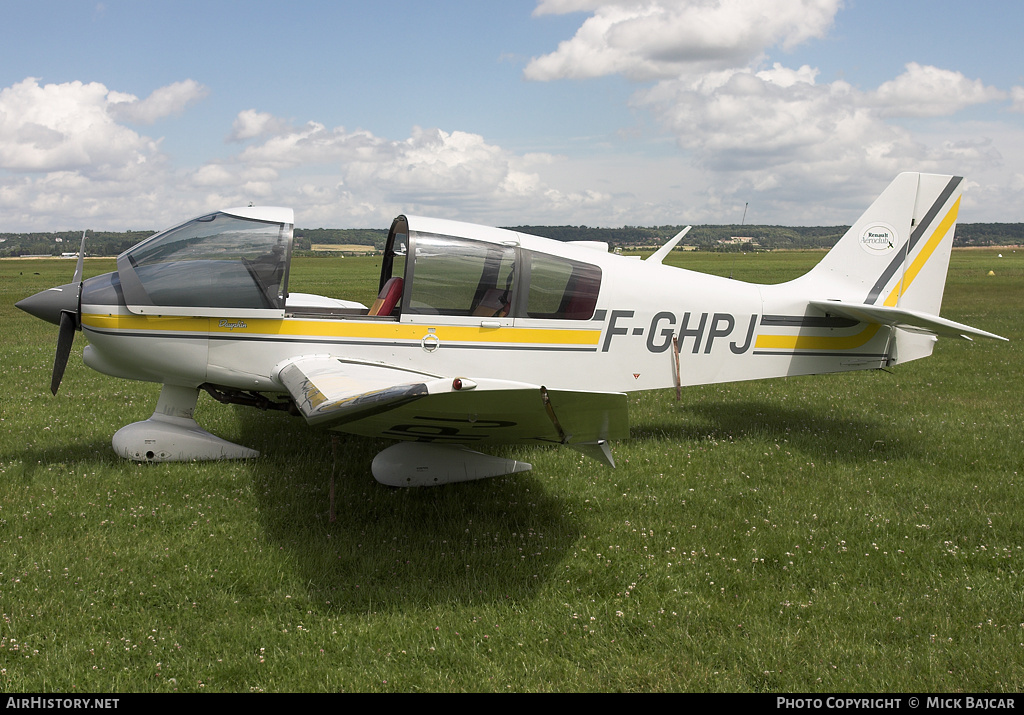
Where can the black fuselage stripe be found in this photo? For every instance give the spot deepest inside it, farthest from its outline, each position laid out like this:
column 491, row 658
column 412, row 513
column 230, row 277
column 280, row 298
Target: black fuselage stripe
column 807, row 321
column 790, row 353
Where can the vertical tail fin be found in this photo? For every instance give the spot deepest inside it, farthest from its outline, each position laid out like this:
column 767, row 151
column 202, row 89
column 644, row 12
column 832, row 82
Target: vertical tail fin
column 897, row 253
column 896, row 256
column 885, row 276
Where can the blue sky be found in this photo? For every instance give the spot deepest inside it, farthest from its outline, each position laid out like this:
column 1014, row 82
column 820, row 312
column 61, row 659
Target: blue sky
column 131, row 114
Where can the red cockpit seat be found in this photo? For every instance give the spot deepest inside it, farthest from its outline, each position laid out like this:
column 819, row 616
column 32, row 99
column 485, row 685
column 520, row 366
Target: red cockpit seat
column 388, row 297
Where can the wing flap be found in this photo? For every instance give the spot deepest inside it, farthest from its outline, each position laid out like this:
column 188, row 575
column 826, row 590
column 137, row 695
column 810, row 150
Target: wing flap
column 911, row 320
column 588, row 417
column 327, row 389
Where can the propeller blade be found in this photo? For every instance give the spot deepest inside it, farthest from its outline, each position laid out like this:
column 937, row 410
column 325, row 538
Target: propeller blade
column 81, row 261
column 64, row 340
column 68, row 324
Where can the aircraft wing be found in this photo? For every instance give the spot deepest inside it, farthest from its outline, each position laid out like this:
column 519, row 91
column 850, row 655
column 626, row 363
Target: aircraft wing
column 912, row 320
column 384, row 401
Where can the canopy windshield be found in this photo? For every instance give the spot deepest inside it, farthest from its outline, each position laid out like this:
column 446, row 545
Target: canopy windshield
column 219, row 264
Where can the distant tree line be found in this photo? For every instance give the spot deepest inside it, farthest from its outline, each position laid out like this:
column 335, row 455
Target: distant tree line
column 989, row 234
column 710, row 237
column 97, row 243
column 706, row 238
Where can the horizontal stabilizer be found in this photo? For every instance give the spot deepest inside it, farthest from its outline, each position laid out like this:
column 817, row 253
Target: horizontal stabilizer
column 911, row 320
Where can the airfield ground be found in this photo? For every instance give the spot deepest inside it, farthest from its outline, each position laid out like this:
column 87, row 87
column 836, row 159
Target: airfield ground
column 855, row 533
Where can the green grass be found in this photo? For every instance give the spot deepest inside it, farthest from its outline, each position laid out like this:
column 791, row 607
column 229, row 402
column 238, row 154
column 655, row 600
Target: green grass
column 855, row 532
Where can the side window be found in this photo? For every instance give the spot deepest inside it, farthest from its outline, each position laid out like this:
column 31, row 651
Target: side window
column 452, row 276
column 562, row 289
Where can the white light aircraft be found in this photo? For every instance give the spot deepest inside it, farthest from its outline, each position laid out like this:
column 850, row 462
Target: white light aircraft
column 482, row 335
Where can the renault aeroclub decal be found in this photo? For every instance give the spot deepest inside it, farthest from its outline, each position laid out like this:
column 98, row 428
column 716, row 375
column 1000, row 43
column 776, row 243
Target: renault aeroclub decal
column 879, row 239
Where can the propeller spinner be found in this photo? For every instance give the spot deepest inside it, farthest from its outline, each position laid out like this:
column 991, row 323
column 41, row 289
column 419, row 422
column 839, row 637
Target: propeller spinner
column 61, row 306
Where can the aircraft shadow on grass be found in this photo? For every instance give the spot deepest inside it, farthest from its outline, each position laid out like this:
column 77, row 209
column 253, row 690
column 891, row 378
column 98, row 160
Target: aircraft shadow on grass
column 488, row 541
column 824, row 437
column 39, row 460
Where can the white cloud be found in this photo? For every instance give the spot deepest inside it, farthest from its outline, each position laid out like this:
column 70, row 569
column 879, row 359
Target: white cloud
column 1017, row 95
column 369, row 179
column 163, row 102
column 57, row 127
column 730, row 124
column 250, row 124
column 432, row 162
column 213, row 175
column 464, row 176
column 778, row 133
column 674, row 38
column 312, row 143
column 562, row 7
column 65, row 156
column 925, row 91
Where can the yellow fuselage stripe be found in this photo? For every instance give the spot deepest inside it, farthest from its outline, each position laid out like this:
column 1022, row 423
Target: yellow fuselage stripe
column 816, row 342
column 334, row 329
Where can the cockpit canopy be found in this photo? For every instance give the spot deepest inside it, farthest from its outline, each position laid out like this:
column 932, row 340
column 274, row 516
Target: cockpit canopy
column 454, row 269
column 228, row 263
column 235, row 263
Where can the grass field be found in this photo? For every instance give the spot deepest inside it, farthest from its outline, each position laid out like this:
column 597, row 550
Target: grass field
column 856, row 532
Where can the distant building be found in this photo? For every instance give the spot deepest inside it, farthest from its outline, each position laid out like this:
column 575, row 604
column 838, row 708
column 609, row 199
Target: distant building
column 737, row 241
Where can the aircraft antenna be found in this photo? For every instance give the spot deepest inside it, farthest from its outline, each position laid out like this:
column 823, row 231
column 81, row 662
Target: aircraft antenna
column 744, row 219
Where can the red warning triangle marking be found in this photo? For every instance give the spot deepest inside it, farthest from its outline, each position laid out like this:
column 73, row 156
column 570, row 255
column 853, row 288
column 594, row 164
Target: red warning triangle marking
column 636, row 376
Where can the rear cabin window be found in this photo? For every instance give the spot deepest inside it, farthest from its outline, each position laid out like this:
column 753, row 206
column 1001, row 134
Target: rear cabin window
column 561, row 289
column 452, row 276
